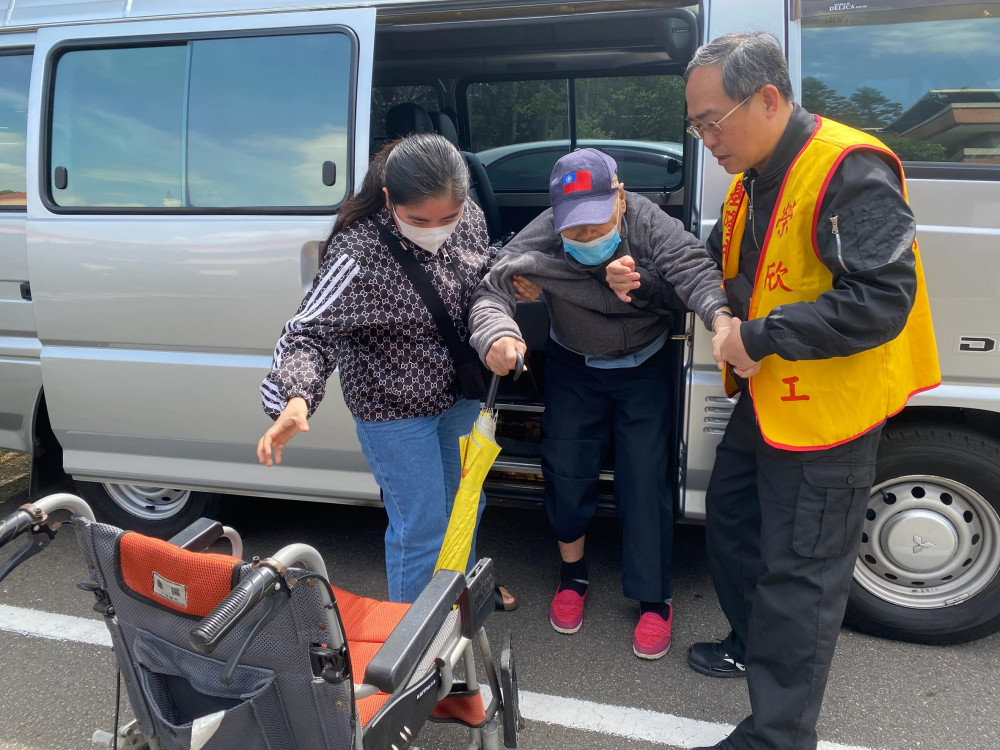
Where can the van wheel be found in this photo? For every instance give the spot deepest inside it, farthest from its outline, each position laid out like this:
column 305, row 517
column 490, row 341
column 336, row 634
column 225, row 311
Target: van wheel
column 928, row 567
column 157, row 511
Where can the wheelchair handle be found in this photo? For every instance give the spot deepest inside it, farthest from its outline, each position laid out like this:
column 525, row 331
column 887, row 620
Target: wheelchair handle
column 17, row 522
column 217, row 624
column 37, row 512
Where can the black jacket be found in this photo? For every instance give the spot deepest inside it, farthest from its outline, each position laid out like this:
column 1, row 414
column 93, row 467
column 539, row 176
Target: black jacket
column 874, row 277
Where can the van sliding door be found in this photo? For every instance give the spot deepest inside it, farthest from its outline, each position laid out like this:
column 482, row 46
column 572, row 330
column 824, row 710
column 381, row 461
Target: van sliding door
column 189, row 171
column 19, row 371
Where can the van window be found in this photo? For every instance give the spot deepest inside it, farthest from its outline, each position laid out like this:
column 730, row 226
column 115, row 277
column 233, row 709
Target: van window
column 520, row 128
column 239, row 123
column 385, row 98
column 924, row 81
column 15, row 71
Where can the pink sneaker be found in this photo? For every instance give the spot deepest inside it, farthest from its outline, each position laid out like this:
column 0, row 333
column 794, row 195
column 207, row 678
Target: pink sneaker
column 566, row 611
column 651, row 639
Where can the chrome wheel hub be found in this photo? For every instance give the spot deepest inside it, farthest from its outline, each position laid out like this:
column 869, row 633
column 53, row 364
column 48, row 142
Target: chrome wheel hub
column 928, row 542
column 146, row 502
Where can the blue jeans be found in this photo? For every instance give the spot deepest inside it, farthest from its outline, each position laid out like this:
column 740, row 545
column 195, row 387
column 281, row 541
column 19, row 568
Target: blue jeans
column 417, row 464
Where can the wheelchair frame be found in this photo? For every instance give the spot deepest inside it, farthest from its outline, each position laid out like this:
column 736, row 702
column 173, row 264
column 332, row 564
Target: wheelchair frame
column 415, row 666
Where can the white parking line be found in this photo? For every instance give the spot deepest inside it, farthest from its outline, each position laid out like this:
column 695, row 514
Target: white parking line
column 630, row 723
column 57, row 627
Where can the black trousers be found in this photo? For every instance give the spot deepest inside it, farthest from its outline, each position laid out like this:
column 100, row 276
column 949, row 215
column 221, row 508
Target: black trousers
column 783, row 531
column 584, row 408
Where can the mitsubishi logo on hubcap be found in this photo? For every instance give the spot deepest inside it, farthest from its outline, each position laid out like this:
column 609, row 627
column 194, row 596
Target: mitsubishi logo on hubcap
column 920, row 544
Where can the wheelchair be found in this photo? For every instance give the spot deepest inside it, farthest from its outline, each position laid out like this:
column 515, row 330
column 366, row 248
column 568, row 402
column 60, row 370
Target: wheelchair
column 217, row 653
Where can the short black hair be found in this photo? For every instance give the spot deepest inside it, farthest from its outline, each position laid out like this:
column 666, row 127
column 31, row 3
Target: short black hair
column 749, row 62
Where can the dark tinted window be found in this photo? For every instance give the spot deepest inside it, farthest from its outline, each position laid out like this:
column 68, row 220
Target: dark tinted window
column 385, row 98
column 924, row 80
column 647, row 170
column 220, row 123
column 520, row 128
column 642, row 167
column 641, row 108
column 505, row 112
column 15, row 71
column 525, row 171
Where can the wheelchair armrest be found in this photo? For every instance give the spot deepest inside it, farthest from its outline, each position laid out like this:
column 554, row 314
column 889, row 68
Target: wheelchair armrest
column 392, row 665
column 198, row 536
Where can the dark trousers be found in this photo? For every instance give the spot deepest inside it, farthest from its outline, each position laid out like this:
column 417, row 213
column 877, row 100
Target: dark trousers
column 584, row 408
column 783, row 531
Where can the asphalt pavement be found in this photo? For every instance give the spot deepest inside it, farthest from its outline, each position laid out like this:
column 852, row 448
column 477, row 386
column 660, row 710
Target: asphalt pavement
column 582, row 691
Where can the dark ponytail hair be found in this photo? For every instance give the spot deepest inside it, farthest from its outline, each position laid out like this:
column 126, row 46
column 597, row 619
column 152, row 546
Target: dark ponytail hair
column 412, row 169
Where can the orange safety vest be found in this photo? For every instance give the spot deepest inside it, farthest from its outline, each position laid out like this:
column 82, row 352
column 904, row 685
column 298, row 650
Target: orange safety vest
column 820, row 403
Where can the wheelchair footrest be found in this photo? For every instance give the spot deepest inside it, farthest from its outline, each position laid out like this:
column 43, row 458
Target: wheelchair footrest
column 462, row 706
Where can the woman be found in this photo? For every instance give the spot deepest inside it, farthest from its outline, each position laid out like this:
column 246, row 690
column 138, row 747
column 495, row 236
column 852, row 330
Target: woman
column 396, row 373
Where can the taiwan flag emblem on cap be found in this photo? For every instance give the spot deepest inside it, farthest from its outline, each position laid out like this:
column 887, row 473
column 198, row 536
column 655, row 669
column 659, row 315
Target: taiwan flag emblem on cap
column 574, row 182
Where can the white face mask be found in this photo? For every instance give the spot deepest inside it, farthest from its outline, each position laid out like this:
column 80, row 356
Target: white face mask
column 429, row 238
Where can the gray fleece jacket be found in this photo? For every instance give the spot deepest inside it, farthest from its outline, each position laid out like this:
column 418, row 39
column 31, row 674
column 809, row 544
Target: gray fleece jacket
column 585, row 314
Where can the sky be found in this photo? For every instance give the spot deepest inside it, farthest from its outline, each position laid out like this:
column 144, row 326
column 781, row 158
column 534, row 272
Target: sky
column 905, row 60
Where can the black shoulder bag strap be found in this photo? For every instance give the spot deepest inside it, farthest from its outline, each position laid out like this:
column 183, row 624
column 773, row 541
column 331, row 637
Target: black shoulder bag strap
column 471, row 377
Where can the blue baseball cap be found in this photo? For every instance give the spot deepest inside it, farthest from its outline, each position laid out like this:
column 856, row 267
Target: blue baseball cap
column 582, row 189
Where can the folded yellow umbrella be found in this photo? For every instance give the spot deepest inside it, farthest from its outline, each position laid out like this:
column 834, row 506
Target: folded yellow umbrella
column 479, row 450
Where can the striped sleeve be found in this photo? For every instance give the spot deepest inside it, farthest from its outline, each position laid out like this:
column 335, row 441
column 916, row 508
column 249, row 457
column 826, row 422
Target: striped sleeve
column 306, row 354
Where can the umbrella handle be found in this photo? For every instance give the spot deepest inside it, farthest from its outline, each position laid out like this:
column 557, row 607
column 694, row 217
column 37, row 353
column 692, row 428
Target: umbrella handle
column 491, row 394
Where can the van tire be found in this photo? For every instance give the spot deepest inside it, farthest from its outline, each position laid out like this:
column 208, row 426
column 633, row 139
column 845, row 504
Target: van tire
column 927, row 571
column 156, row 511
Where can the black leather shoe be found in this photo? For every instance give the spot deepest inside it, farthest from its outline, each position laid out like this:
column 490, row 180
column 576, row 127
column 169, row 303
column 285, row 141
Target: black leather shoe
column 711, row 659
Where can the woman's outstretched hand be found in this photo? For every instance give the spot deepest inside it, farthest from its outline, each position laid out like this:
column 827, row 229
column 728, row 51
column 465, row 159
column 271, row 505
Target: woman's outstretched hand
column 289, row 423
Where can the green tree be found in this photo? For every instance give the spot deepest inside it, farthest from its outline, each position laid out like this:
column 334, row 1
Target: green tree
column 508, row 112
column 645, row 108
column 822, row 100
column 873, row 109
column 908, row 149
column 635, row 108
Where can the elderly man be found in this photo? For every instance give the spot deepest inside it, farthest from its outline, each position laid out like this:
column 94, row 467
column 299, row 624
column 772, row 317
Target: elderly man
column 608, row 371
column 832, row 334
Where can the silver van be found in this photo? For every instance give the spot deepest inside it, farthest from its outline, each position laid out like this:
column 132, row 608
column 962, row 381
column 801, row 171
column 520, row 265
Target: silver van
column 170, row 168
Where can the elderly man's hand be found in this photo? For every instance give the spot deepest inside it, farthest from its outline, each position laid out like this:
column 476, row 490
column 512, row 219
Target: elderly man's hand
column 622, row 277
column 503, row 354
column 525, row 290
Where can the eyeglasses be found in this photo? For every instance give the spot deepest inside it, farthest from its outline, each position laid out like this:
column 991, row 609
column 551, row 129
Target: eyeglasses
column 714, row 128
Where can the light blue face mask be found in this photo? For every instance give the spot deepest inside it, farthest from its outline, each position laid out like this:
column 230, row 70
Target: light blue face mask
column 595, row 252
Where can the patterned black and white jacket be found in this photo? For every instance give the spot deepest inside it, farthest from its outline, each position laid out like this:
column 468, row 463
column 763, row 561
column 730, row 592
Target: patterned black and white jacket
column 364, row 315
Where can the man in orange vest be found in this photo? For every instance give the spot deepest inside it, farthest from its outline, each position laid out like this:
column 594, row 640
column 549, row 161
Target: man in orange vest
column 831, row 335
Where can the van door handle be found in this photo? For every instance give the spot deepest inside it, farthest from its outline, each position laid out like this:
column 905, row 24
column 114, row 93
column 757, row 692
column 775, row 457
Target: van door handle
column 308, row 264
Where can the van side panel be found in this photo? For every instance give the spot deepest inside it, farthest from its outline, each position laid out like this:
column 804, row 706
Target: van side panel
column 157, row 330
column 959, row 234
